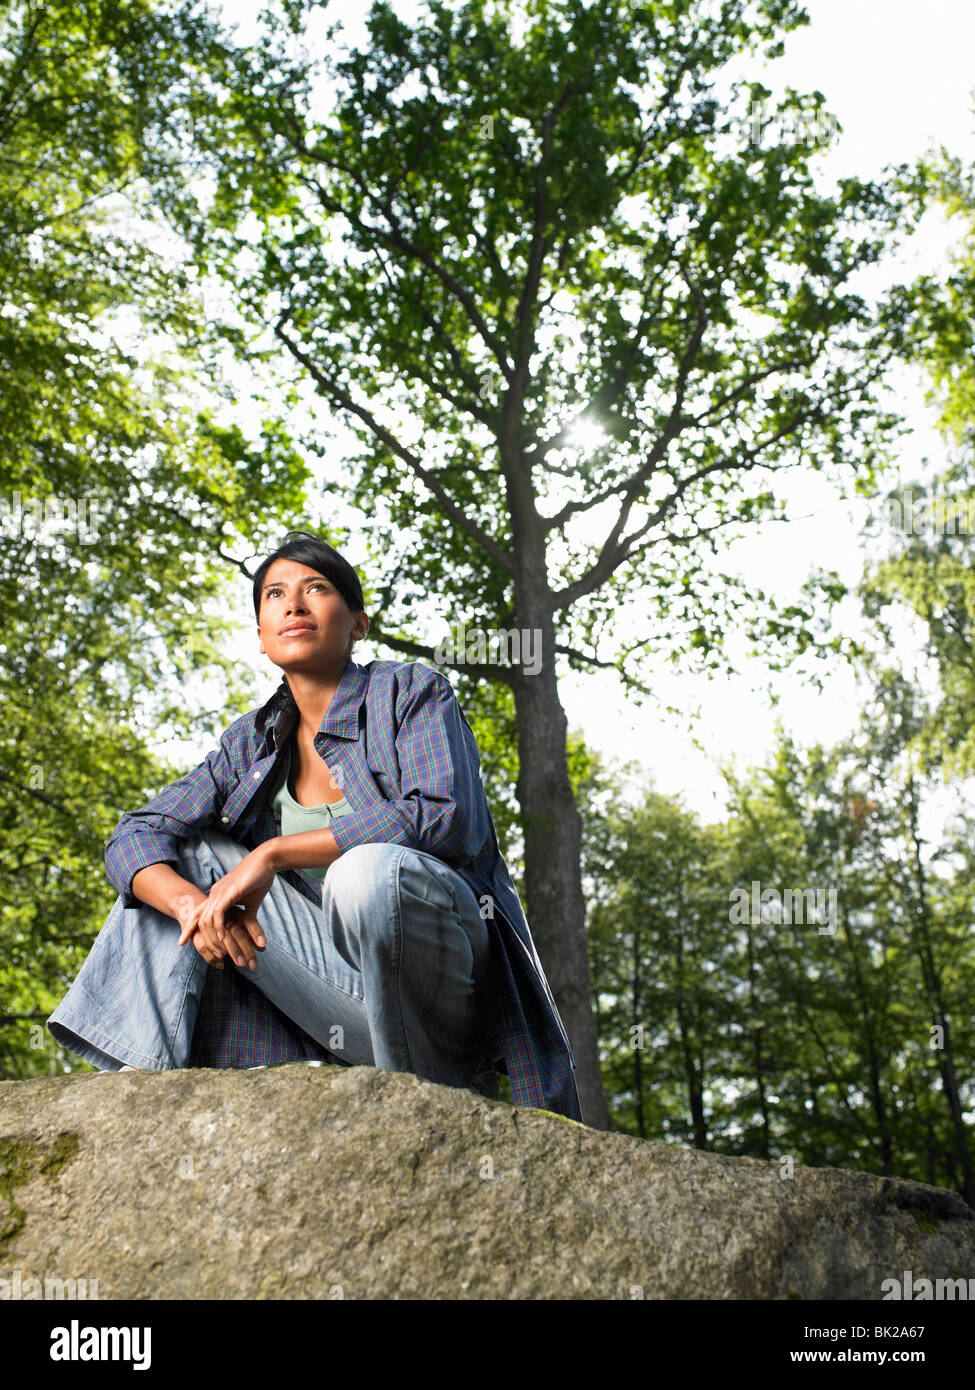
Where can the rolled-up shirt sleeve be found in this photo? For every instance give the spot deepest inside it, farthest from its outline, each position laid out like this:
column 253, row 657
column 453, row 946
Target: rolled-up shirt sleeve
column 184, row 808
column 441, row 808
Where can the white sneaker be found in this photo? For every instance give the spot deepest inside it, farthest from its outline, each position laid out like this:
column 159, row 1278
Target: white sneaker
column 262, row 1066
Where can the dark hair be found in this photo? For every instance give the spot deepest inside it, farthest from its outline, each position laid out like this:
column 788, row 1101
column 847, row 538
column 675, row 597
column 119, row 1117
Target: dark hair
column 317, row 555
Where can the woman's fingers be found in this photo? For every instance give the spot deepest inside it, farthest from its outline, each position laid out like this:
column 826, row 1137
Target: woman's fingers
column 217, row 948
column 247, row 917
column 189, row 917
column 232, row 928
column 239, row 945
column 209, row 955
column 218, row 916
column 244, row 934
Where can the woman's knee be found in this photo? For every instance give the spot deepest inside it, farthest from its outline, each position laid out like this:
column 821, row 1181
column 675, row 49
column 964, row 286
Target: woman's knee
column 363, row 873
column 379, row 870
column 394, row 888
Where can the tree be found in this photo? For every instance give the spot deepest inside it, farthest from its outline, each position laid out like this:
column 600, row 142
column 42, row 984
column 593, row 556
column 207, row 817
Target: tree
column 931, row 522
column 117, row 496
column 933, row 942
column 658, row 951
column 794, row 981
column 493, row 227
column 806, row 829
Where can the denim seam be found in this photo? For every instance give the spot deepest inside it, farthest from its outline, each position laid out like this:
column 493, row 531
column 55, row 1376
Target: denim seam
column 480, row 1006
column 321, row 979
column 182, row 1007
column 194, row 850
column 395, row 871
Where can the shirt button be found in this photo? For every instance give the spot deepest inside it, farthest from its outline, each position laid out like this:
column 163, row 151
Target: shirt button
column 257, row 776
column 225, row 819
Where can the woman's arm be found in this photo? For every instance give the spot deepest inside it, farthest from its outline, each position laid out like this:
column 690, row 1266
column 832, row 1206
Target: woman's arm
column 163, row 888
column 308, row 849
column 147, row 837
column 248, row 882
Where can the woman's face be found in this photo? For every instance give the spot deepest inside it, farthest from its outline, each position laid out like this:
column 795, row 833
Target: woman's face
column 305, row 625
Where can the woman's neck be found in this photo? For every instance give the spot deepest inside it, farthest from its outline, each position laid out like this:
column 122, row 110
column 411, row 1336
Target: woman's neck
column 313, row 694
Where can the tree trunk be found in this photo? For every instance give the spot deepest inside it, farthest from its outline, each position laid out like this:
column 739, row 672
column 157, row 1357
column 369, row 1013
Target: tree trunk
column 695, row 1084
column 554, row 904
column 932, row 981
column 873, row 1058
column 765, row 1149
column 640, row 1023
column 756, row 1037
column 693, row 1073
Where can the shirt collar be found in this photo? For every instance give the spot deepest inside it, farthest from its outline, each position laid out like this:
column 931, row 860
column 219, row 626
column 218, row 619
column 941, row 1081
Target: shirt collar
column 342, row 717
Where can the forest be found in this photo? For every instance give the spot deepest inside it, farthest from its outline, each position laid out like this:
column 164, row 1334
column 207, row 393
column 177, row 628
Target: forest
column 252, row 284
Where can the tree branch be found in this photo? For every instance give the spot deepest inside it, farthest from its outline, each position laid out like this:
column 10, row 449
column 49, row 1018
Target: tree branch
column 611, row 557
column 633, row 486
column 524, row 320
column 394, row 236
column 585, row 658
column 432, row 322
column 420, row 649
column 606, row 396
column 622, row 178
column 341, row 397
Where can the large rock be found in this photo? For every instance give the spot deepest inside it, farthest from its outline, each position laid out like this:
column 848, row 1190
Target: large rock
column 303, row 1182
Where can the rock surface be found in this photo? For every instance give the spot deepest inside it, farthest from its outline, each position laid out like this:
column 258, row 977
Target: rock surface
column 335, row 1182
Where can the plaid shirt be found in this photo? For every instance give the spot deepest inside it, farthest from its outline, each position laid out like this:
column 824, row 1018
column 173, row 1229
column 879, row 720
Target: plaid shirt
column 398, row 744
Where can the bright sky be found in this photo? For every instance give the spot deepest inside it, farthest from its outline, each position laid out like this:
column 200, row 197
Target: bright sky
column 900, row 80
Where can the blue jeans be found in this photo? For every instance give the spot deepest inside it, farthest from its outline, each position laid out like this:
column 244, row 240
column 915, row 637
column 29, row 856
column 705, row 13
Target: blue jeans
column 394, row 970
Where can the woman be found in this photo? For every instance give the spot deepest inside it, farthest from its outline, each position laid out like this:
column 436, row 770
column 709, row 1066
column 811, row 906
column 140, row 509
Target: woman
column 337, row 849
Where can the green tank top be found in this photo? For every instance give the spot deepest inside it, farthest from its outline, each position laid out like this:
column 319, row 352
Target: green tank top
column 296, row 818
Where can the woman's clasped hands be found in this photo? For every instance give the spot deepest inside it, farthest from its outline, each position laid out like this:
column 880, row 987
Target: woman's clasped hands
column 224, row 921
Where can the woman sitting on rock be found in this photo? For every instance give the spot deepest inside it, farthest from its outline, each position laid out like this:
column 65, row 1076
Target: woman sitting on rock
column 338, row 850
